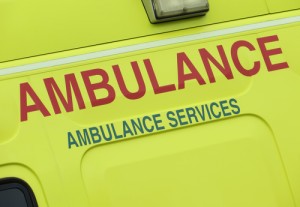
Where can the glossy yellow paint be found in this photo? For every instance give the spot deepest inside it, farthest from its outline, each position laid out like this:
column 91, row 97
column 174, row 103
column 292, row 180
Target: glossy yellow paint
column 279, row 6
column 39, row 27
column 246, row 159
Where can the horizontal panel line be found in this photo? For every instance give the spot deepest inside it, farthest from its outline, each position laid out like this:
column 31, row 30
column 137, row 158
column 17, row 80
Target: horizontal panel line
column 147, row 45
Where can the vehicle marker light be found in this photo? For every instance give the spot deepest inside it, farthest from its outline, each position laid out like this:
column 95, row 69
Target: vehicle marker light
column 168, row 10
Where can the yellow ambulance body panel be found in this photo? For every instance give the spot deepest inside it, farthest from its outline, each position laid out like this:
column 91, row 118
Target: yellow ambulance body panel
column 99, row 107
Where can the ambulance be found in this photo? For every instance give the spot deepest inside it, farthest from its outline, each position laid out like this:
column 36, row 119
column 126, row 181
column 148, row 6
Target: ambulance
column 150, row 103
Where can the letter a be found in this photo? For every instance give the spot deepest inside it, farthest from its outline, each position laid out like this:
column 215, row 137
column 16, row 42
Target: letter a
column 25, row 89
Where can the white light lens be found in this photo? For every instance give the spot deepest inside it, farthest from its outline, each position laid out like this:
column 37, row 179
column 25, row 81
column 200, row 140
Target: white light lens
column 169, row 8
column 166, row 8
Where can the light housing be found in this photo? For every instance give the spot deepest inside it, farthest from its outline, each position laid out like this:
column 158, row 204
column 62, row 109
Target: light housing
column 168, row 10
